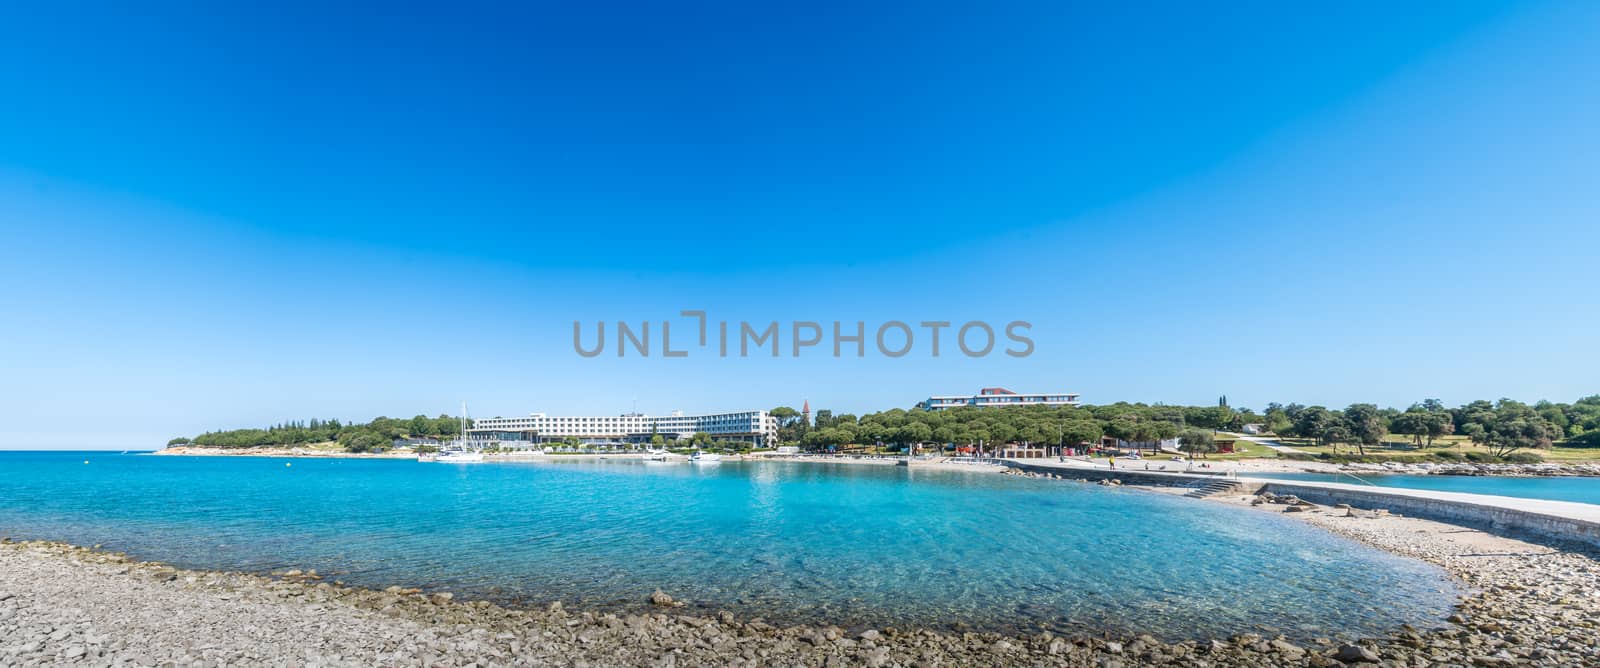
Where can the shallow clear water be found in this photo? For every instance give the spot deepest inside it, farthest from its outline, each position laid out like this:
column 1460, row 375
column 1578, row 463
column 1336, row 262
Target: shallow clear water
column 1582, row 489
column 789, row 542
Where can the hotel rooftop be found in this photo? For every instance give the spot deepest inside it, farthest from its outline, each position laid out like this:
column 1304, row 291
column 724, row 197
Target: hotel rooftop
column 992, row 397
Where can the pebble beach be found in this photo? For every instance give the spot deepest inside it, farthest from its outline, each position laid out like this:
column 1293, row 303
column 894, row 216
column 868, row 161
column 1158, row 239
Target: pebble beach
column 1528, row 604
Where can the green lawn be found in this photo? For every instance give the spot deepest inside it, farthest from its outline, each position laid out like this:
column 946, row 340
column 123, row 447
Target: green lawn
column 1399, row 447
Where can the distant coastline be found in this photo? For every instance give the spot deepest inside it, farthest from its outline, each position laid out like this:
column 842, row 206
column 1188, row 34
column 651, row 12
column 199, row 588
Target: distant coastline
column 1244, row 466
column 514, row 456
column 196, row 451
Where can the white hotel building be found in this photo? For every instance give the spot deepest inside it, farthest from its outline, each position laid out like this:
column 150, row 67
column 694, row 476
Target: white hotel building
column 756, row 427
column 997, row 397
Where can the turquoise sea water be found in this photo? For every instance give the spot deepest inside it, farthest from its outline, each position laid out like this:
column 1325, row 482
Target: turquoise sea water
column 1582, row 489
column 789, row 542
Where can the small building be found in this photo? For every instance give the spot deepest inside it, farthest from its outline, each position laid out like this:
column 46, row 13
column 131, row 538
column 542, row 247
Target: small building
column 1225, row 445
column 1113, row 443
column 1022, row 451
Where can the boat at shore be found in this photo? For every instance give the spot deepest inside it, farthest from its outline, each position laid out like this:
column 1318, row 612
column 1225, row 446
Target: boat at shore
column 456, row 456
column 705, row 457
column 459, row 451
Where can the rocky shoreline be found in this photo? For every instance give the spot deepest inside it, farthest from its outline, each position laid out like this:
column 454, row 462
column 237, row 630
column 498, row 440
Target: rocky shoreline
column 66, row 605
column 198, row 451
column 1531, row 604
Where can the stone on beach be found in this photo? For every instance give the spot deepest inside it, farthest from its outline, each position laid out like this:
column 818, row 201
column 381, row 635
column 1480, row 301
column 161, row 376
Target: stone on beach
column 1356, row 654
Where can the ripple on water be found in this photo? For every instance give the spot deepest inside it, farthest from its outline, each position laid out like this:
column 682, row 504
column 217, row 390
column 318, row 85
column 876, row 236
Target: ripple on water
column 792, row 543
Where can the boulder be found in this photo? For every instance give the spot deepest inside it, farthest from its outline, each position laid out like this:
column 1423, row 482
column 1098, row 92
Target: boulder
column 660, row 598
column 1356, row 654
column 1288, row 649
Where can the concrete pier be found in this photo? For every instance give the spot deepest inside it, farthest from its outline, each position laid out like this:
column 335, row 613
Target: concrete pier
column 1536, row 518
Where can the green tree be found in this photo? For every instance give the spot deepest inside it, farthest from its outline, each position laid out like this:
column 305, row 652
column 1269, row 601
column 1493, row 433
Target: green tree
column 1366, row 424
column 1197, row 441
column 1411, row 423
column 1313, row 422
column 1081, row 432
column 1208, row 417
column 1423, row 423
column 823, row 419
column 367, row 442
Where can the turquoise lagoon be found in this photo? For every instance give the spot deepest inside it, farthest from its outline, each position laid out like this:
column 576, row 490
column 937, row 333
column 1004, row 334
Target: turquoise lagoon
column 1581, row 489
column 788, row 542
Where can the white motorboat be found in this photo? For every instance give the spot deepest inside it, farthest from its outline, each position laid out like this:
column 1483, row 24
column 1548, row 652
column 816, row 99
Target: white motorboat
column 656, row 455
column 705, row 457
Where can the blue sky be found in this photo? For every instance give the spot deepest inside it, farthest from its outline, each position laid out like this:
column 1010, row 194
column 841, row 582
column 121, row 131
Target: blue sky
column 283, row 211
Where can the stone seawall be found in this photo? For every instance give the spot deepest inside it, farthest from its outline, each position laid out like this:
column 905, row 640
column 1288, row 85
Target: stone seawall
column 1131, row 476
column 1539, row 519
column 1495, row 514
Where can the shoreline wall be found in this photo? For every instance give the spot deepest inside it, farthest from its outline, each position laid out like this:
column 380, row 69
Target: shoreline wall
column 1502, row 519
column 1131, row 476
column 1494, row 518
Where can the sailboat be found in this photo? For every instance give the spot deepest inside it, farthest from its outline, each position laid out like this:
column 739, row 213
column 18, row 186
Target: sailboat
column 457, row 452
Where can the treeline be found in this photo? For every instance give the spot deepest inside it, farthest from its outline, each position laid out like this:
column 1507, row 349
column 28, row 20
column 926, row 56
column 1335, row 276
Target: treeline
column 1503, row 426
column 372, row 436
column 1028, row 424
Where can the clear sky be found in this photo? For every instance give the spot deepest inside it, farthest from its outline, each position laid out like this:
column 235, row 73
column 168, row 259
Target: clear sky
column 278, row 211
